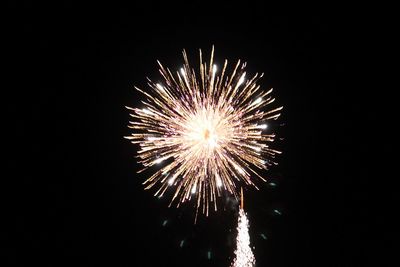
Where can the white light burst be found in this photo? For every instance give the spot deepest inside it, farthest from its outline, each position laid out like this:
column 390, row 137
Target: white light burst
column 205, row 132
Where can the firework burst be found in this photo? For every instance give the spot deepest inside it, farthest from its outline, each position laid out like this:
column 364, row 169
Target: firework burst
column 206, row 132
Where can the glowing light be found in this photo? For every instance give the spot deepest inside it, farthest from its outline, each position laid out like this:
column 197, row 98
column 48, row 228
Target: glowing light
column 158, row 160
column 244, row 256
column 194, row 189
column 214, row 69
column 208, row 127
column 263, row 236
column 241, row 80
column 218, row 180
column 159, row 86
column 277, row 212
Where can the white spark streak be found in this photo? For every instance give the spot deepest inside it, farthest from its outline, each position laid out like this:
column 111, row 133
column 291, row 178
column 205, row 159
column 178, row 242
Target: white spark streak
column 244, row 256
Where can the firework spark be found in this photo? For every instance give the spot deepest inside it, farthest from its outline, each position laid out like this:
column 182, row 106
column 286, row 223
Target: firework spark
column 206, row 133
column 244, row 256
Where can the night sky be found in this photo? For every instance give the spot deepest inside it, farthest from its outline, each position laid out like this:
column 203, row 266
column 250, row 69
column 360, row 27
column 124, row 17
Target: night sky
column 77, row 199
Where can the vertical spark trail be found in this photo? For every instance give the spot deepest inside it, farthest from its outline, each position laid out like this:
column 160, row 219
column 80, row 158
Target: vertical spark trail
column 244, row 256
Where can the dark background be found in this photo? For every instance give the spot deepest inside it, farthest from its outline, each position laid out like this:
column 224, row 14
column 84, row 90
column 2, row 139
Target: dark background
column 76, row 199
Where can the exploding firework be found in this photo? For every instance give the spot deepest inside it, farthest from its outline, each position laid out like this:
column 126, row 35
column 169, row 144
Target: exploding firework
column 206, row 133
column 244, row 256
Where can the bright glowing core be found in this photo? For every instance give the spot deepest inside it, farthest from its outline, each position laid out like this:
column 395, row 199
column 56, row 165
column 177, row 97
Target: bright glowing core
column 205, row 131
column 206, row 134
column 209, row 138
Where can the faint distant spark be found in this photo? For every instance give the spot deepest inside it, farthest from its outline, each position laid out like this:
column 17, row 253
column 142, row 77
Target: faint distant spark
column 205, row 132
column 244, row 256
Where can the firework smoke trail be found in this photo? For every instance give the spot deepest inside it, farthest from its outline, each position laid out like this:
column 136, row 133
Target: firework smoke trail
column 206, row 133
column 244, row 256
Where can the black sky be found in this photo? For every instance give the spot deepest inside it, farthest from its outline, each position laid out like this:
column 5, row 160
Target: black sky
column 77, row 199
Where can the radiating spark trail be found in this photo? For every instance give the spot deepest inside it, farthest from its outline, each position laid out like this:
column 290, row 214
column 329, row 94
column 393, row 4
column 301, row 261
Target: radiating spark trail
column 244, row 256
column 205, row 132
